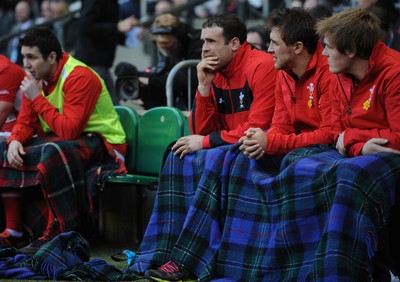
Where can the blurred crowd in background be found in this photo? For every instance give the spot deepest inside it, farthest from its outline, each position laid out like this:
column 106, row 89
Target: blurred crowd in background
column 21, row 14
column 86, row 30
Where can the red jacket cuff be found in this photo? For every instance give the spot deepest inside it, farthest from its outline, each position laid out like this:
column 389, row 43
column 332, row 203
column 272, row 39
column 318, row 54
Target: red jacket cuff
column 206, row 142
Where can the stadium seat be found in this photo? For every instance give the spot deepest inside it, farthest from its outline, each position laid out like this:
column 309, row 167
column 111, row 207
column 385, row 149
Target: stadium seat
column 157, row 128
column 147, row 137
column 129, row 119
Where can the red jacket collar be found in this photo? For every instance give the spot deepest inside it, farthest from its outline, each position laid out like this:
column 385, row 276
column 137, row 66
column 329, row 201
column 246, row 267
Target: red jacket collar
column 235, row 64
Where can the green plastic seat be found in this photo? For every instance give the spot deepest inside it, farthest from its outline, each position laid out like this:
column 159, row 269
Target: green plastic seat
column 147, row 140
column 157, row 128
column 129, row 119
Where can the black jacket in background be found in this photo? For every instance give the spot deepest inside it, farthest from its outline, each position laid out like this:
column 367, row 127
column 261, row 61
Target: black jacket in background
column 98, row 33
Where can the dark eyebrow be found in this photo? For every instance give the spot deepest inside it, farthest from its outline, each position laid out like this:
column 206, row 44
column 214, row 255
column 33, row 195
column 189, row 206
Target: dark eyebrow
column 207, row 39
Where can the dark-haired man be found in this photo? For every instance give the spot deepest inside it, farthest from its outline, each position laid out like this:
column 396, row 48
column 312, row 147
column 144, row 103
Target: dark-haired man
column 68, row 107
column 235, row 92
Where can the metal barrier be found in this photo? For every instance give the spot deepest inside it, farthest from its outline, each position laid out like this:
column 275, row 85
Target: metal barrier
column 170, row 81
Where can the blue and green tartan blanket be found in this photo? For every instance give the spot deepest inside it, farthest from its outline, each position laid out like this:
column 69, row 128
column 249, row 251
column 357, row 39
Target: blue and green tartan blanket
column 179, row 180
column 222, row 216
column 65, row 257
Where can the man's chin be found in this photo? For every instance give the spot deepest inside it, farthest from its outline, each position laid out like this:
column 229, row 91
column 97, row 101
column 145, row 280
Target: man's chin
column 334, row 70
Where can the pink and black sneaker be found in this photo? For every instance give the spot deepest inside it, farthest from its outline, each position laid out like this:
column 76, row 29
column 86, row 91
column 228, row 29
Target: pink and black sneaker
column 170, row 271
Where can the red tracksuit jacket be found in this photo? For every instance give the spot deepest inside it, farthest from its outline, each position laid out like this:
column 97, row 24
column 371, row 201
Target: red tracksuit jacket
column 372, row 108
column 303, row 108
column 242, row 96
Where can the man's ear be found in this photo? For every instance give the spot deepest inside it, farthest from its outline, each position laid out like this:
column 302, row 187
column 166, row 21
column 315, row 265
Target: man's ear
column 351, row 54
column 52, row 57
column 298, row 47
column 235, row 44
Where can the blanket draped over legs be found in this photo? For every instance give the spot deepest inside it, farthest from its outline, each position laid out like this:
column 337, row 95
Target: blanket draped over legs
column 318, row 220
column 66, row 172
column 183, row 184
column 200, row 240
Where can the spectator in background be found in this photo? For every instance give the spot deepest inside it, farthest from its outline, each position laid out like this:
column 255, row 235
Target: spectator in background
column 46, row 12
column 23, row 20
column 387, row 20
column 273, row 4
column 11, row 76
column 175, row 41
column 388, row 15
column 258, row 38
column 158, row 7
column 368, row 3
column 206, row 9
column 99, row 33
column 162, row 6
column 389, row 5
column 6, row 23
column 185, row 14
column 296, row 4
column 65, row 29
column 129, row 8
column 320, row 12
column 322, row 6
column 395, row 44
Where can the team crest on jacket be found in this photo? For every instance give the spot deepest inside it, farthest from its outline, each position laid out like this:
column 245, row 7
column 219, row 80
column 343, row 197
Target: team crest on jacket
column 241, row 96
column 233, row 100
column 367, row 103
column 310, row 88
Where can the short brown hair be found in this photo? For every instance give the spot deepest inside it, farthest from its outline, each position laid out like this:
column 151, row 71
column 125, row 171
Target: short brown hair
column 352, row 30
column 294, row 24
column 232, row 26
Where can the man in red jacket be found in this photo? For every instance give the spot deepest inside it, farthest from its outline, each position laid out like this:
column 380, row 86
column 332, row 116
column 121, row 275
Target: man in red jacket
column 235, row 92
column 11, row 76
column 302, row 114
column 366, row 102
column 67, row 124
column 366, row 91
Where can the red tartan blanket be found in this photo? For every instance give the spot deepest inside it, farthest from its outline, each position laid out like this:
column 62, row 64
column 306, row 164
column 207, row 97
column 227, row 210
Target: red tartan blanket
column 68, row 173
